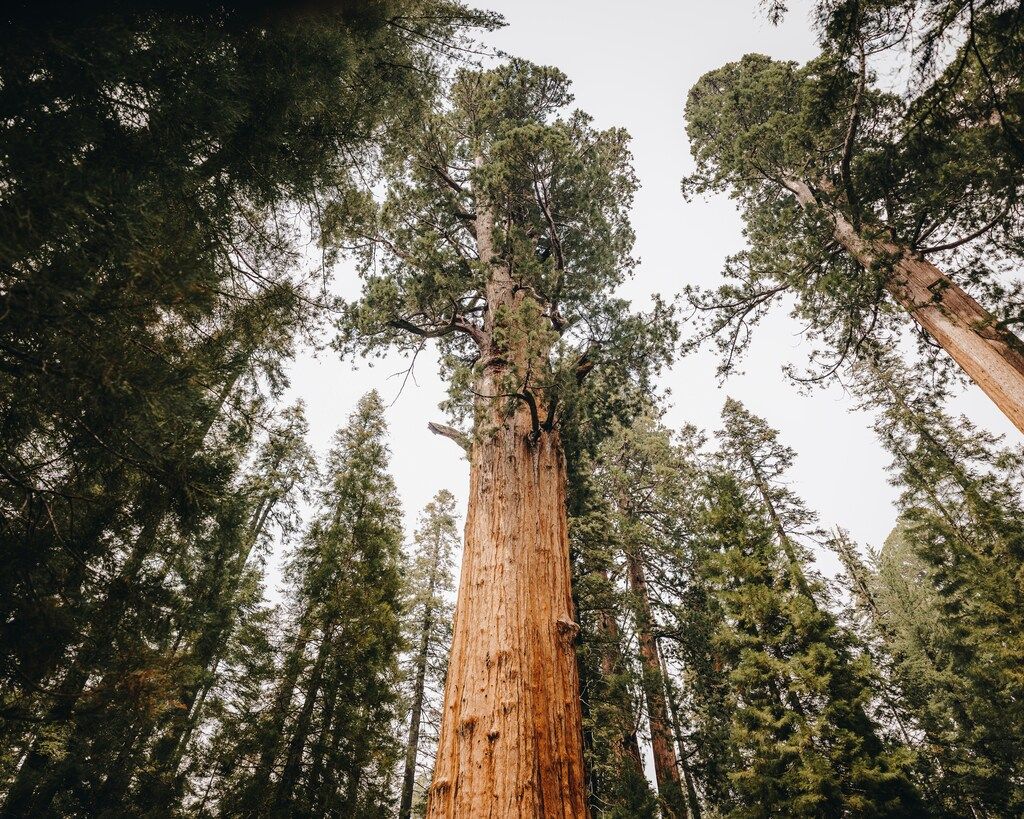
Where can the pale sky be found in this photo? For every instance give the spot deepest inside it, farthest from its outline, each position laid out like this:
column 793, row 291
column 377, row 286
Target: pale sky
column 631, row 66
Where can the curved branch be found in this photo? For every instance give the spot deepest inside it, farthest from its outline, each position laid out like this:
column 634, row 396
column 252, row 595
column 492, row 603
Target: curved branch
column 970, row 237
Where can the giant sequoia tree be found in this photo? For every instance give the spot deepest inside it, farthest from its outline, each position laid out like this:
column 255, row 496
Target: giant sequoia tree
column 845, row 206
column 502, row 235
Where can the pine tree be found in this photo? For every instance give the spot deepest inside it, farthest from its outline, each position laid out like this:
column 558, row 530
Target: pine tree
column 326, row 736
column 960, row 532
column 799, row 737
column 428, row 616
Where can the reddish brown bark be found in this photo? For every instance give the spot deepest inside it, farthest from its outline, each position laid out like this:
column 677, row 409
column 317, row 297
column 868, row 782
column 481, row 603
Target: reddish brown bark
column 666, row 763
column 511, row 742
column 989, row 355
column 511, row 732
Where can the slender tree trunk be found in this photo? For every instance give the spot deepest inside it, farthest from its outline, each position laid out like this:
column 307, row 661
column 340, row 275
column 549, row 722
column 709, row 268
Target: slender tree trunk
column 511, row 742
column 611, row 665
column 293, row 760
column 261, row 784
column 990, row 355
column 666, row 764
column 692, row 802
column 416, row 711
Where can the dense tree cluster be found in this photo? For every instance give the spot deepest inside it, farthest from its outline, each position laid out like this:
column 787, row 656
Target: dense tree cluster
column 201, row 616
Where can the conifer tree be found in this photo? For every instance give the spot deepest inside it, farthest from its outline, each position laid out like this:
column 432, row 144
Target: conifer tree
column 216, row 599
column 428, row 613
column 645, row 478
column 118, row 676
column 844, row 213
column 799, row 738
column 326, row 742
column 618, row 786
column 502, row 236
column 960, row 533
column 148, row 195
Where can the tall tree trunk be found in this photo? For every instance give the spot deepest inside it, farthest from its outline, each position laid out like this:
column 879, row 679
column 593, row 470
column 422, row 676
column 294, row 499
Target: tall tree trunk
column 611, row 665
column 692, row 802
column 293, row 760
column 416, row 711
column 666, row 764
column 260, row 787
column 511, row 732
column 990, row 355
column 511, row 740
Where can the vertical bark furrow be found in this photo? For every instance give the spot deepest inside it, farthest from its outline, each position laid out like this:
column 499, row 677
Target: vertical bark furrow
column 511, row 733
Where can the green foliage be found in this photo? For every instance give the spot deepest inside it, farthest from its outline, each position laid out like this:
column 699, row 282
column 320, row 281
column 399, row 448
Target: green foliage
column 502, row 236
column 800, row 738
column 428, row 617
column 324, row 734
column 161, row 167
column 761, row 129
column 955, row 635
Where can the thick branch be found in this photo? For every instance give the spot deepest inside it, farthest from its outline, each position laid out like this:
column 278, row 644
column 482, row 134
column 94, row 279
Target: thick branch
column 457, row 324
column 450, row 432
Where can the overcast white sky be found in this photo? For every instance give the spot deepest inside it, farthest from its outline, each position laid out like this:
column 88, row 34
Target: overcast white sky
column 632, row 65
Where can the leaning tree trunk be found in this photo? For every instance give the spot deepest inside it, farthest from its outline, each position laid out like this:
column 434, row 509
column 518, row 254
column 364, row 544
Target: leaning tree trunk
column 666, row 764
column 989, row 355
column 511, row 739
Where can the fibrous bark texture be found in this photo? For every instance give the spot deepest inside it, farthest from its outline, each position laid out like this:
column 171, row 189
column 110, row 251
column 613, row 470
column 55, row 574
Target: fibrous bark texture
column 511, row 732
column 989, row 354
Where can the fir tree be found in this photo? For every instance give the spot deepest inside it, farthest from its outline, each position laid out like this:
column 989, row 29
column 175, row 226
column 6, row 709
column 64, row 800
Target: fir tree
column 327, row 734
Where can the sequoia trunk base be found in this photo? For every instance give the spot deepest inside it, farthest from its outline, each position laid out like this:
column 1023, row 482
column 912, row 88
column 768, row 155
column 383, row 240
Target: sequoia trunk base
column 511, row 741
